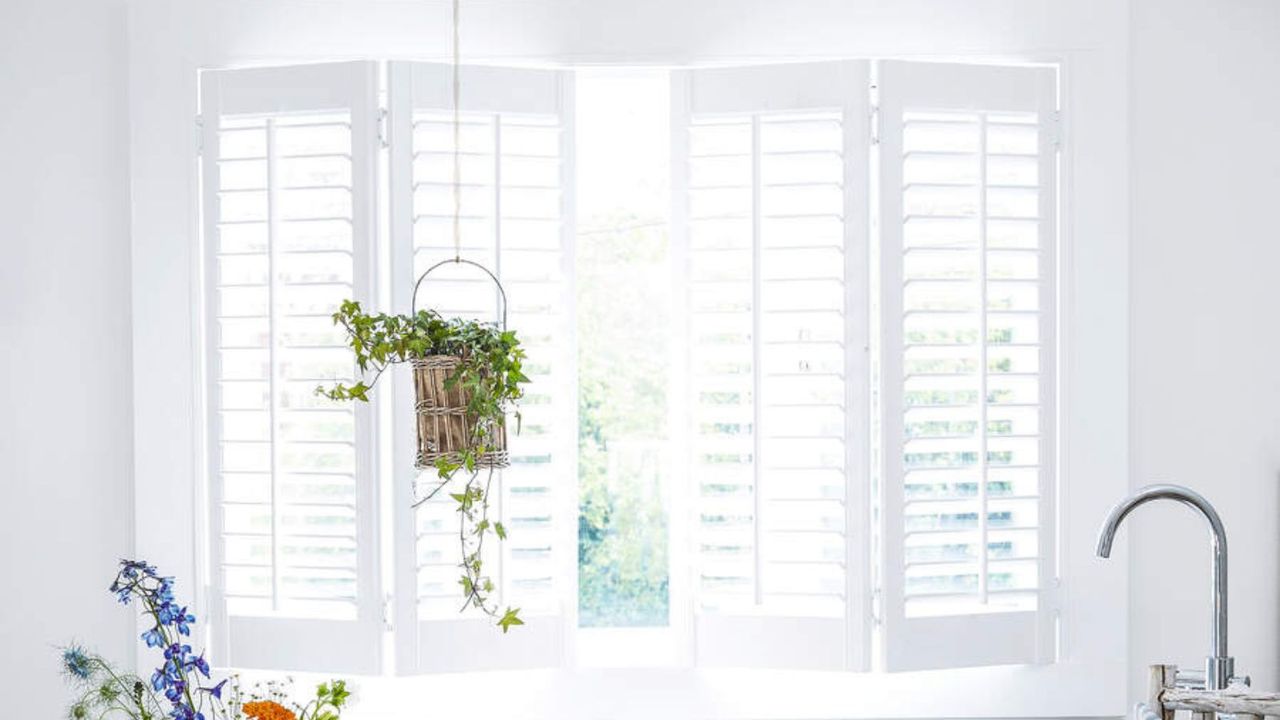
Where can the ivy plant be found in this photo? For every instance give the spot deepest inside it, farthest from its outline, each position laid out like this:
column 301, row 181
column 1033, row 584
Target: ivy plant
column 491, row 379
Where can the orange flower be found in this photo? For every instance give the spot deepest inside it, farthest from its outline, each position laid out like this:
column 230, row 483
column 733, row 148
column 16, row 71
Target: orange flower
column 268, row 710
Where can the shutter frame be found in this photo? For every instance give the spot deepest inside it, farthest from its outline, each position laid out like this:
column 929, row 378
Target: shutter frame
column 983, row 638
column 272, row 641
column 761, row 639
column 470, row 643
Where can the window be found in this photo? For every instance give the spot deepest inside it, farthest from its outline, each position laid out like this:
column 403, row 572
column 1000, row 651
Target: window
column 517, row 158
column 967, row 362
column 851, row 461
column 625, row 311
column 289, row 158
column 775, row 241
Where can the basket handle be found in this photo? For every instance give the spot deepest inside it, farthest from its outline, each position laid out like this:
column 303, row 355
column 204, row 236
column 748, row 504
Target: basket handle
column 502, row 293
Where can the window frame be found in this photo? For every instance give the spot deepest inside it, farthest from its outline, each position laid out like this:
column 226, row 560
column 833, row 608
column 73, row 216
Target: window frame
column 172, row 42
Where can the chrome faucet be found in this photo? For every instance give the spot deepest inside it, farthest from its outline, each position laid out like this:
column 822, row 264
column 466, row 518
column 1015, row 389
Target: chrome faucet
column 1219, row 667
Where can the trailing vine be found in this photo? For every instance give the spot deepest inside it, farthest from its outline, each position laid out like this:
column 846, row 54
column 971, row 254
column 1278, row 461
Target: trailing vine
column 490, row 377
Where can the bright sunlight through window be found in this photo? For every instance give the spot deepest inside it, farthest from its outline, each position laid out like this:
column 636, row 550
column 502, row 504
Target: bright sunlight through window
column 624, row 320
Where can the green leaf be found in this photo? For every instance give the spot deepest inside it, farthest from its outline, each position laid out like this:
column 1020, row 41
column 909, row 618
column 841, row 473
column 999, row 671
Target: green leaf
column 509, row 619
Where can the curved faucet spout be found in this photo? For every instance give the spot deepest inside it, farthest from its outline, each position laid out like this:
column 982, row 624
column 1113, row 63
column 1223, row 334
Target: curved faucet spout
column 1219, row 666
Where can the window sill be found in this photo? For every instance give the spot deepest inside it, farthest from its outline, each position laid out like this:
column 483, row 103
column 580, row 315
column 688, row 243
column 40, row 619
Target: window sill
column 1025, row 691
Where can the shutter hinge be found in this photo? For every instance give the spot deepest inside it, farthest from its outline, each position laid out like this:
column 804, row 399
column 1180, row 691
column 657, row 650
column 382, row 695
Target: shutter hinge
column 873, row 112
column 1053, row 595
column 199, row 135
column 387, row 611
column 1057, row 130
column 383, row 139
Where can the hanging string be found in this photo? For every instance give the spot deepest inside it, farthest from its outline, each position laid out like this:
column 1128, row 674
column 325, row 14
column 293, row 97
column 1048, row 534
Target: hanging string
column 457, row 139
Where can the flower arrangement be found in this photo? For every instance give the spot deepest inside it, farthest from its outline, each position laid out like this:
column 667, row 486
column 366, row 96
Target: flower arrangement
column 182, row 687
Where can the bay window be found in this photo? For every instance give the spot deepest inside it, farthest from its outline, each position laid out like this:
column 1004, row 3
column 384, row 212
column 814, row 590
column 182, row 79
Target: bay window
column 845, row 456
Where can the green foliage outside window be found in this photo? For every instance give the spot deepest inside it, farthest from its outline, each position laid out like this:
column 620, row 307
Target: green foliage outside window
column 623, row 364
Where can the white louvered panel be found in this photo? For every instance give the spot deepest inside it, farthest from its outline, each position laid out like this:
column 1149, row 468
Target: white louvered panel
column 766, row 234
column 283, row 261
column 967, row 168
column 970, row 361
column 722, row 367
column 511, row 167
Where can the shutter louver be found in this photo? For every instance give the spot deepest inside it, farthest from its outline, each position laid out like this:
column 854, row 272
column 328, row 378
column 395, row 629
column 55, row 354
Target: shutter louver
column 968, row 171
column 288, row 191
column 765, row 175
column 515, row 152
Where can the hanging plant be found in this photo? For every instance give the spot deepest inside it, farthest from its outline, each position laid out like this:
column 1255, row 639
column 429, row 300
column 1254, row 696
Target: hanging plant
column 467, row 378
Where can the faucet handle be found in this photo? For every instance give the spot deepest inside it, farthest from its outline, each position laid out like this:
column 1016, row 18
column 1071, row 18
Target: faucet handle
column 1189, row 679
column 1239, row 681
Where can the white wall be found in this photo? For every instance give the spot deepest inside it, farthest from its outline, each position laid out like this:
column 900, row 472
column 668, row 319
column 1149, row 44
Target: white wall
column 65, row 376
column 1206, row 322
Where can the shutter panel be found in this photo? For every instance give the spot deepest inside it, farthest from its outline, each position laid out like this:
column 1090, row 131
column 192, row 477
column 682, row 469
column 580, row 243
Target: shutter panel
column 967, row 193
column 517, row 220
column 288, row 187
column 769, row 178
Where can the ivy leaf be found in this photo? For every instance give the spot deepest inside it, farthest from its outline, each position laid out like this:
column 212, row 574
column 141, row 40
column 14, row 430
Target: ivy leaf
column 501, row 530
column 509, row 619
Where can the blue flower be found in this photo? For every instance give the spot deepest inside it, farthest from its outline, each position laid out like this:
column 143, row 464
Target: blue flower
column 184, row 712
column 176, row 676
column 175, row 690
column 182, row 620
column 133, row 569
column 177, row 652
column 164, row 593
column 75, row 663
column 216, row 690
column 200, row 664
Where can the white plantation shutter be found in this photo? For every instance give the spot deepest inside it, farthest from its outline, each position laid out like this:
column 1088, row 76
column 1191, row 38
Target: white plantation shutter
column 288, row 168
column 967, row 208
column 770, row 165
column 517, row 220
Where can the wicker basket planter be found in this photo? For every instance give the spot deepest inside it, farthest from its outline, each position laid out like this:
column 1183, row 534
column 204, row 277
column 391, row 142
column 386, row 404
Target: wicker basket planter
column 444, row 428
